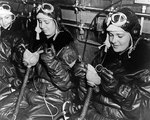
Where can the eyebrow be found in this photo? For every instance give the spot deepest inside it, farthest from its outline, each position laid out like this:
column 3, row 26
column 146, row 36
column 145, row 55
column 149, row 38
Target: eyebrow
column 116, row 32
column 120, row 33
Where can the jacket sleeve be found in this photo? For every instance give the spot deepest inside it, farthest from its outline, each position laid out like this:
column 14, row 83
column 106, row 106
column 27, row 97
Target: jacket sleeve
column 136, row 95
column 132, row 93
column 79, row 74
column 8, row 73
column 18, row 49
column 58, row 66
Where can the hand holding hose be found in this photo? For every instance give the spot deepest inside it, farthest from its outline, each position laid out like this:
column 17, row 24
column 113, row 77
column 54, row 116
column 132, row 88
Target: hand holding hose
column 30, row 59
column 92, row 77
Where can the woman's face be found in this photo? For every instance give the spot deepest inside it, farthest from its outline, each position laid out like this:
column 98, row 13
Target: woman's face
column 119, row 40
column 5, row 20
column 46, row 24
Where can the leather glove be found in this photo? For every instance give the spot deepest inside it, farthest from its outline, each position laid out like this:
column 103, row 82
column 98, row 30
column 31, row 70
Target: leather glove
column 107, row 75
column 109, row 82
column 92, row 76
column 49, row 53
column 18, row 52
column 30, row 59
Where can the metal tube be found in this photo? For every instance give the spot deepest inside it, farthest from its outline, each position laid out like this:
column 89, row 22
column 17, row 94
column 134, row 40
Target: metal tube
column 21, row 93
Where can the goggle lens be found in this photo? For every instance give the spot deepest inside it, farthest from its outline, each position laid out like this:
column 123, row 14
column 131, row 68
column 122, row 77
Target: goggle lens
column 118, row 19
column 115, row 18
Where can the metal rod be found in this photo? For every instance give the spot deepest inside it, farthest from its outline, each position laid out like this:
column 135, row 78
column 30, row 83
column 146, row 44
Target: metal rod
column 86, row 104
column 21, row 93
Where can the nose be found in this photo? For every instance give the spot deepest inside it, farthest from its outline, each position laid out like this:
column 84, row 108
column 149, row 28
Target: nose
column 114, row 39
column 1, row 21
column 42, row 25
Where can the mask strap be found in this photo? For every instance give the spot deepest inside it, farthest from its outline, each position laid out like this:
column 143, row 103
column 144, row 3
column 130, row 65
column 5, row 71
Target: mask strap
column 131, row 48
column 38, row 31
column 107, row 43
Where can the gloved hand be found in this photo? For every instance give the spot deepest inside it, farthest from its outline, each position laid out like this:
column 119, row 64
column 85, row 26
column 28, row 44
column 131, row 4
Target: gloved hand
column 92, row 76
column 107, row 77
column 49, row 53
column 30, row 59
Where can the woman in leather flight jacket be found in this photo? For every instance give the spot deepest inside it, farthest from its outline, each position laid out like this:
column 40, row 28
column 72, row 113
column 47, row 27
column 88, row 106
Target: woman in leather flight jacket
column 124, row 69
column 10, row 35
column 51, row 65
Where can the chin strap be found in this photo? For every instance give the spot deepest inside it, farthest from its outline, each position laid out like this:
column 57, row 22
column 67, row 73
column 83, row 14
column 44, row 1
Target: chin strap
column 38, row 31
column 106, row 44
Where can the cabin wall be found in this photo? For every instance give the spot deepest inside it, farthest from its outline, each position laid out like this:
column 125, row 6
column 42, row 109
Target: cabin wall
column 77, row 16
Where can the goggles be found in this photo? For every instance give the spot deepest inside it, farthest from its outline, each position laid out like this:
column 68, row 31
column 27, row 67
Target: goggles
column 46, row 8
column 118, row 19
column 5, row 7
